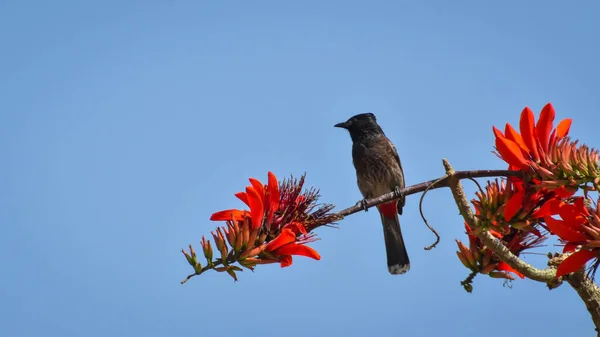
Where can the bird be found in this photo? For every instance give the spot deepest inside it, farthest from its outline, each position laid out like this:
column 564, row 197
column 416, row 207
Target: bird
column 379, row 171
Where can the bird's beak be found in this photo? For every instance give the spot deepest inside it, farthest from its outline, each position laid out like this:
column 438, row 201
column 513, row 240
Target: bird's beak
column 343, row 125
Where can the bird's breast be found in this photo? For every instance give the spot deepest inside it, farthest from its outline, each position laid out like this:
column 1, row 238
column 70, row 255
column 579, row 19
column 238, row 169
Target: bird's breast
column 377, row 169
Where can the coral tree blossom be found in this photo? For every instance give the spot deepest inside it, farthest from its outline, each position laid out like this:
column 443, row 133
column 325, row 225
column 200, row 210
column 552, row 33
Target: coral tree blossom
column 534, row 145
column 580, row 230
column 276, row 226
column 522, row 211
column 554, row 169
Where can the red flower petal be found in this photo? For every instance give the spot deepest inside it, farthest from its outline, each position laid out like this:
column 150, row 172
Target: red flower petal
column 563, row 128
column 227, row 215
column 297, row 227
column 286, row 236
column 243, row 197
column 497, row 133
column 563, row 192
column 257, row 210
column 563, row 230
column 285, row 261
column 258, row 187
column 570, row 247
column 552, row 138
column 574, row 262
column 505, row 267
column 544, row 126
column 550, row 207
column 528, row 132
column 274, row 195
column 579, row 207
column 515, row 203
column 574, row 215
column 298, row 249
column 511, row 153
column 513, row 135
column 468, row 229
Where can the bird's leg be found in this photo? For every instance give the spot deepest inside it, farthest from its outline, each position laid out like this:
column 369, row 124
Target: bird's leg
column 397, row 193
column 363, row 204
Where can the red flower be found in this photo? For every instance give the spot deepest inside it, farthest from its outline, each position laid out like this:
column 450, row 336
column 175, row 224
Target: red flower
column 477, row 257
column 277, row 226
column 579, row 228
column 286, row 245
column 263, row 201
column 534, row 143
column 506, row 204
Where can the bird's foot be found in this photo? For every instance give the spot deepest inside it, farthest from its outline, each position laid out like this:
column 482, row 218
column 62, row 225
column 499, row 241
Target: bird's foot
column 363, row 204
column 397, row 193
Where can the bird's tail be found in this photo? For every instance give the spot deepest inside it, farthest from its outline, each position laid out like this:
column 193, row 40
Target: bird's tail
column 397, row 257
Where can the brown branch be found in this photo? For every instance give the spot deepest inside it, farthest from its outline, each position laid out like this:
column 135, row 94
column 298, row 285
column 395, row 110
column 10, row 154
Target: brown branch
column 425, row 187
column 428, row 185
column 589, row 292
column 491, row 242
column 504, row 254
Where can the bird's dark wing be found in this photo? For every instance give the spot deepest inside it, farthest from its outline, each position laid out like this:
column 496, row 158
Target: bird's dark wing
column 402, row 200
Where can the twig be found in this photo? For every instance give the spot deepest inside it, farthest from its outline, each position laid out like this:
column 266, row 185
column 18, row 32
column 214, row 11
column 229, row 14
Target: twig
column 468, row 282
column 208, row 267
column 437, row 236
column 478, row 185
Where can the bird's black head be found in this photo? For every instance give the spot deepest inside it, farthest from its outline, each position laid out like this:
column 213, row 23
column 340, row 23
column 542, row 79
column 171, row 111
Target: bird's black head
column 361, row 125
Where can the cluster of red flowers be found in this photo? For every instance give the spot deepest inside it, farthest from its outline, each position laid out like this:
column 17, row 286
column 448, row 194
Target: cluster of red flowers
column 277, row 226
column 520, row 211
column 521, row 231
column 580, row 230
column 481, row 260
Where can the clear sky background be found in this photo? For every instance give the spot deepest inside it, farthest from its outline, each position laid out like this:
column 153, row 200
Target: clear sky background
column 125, row 124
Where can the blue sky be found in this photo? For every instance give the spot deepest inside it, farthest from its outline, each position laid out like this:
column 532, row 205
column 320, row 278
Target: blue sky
column 125, row 124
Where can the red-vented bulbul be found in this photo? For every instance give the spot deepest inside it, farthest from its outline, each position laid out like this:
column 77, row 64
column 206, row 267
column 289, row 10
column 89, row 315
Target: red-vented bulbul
column 379, row 171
